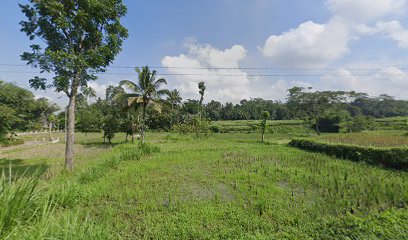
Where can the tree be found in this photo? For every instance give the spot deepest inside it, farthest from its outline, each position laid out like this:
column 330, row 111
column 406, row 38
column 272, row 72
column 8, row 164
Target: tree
column 145, row 92
column 201, row 87
column 81, row 38
column 7, row 119
column 23, row 105
column 45, row 109
column 265, row 117
column 312, row 105
column 89, row 120
column 213, row 110
column 174, row 99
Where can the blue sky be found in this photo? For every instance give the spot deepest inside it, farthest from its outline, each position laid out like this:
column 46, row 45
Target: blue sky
column 332, row 40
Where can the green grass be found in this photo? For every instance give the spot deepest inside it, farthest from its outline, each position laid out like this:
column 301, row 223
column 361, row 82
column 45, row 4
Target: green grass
column 283, row 127
column 392, row 123
column 227, row 186
column 368, row 139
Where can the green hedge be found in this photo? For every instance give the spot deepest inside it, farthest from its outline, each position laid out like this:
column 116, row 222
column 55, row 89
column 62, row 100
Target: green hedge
column 389, row 157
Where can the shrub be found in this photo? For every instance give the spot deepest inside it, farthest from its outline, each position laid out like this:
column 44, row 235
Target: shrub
column 8, row 143
column 358, row 124
column 389, row 157
column 215, row 129
column 182, row 128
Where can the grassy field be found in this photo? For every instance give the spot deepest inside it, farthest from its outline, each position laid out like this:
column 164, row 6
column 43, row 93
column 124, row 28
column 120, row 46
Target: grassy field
column 227, row 186
column 368, row 139
column 276, row 127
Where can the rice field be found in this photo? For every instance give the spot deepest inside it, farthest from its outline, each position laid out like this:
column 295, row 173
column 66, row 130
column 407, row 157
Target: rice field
column 368, row 139
column 226, row 186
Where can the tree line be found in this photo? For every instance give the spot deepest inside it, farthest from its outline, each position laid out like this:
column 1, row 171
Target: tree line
column 327, row 111
column 134, row 106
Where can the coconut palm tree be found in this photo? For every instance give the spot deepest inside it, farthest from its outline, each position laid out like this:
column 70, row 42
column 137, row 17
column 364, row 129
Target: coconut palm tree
column 146, row 91
column 174, row 99
column 201, row 87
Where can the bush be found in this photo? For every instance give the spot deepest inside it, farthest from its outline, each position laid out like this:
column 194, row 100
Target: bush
column 182, row 128
column 194, row 125
column 389, row 157
column 8, row 143
column 358, row 124
column 215, row 129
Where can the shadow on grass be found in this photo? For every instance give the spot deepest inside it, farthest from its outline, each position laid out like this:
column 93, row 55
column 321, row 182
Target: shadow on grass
column 19, row 168
column 100, row 144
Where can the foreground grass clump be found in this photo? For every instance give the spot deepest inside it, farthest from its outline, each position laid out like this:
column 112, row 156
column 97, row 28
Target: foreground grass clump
column 15, row 199
column 387, row 157
column 29, row 213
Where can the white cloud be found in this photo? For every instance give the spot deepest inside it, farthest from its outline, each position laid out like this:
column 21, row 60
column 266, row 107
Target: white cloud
column 309, row 45
column 365, row 10
column 317, row 45
column 390, row 80
column 100, row 89
column 278, row 90
column 395, row 31
column 221, row 88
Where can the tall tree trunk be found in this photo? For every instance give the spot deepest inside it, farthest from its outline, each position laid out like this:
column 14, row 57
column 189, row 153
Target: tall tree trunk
column 143, row 122
column 86, row 135
column 317, row 126
column 127, row 134
column 49, row 131
column 70, row 133
column 133, row 132
column 171, row 119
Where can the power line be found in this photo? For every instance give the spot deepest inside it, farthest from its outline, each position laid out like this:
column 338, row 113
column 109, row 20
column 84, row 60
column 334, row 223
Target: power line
column 239, row 68
column 217, row 74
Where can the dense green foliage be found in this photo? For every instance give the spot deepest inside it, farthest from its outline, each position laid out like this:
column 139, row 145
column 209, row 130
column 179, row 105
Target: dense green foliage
column 20, row 111
column 396, row 157
column 251, row 109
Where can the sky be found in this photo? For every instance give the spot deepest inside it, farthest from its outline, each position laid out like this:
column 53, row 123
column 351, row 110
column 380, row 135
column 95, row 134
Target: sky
column 246, row 48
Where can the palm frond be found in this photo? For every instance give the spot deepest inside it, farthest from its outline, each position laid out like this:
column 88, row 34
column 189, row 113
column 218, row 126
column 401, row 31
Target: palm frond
column 133, row 100
column 155, row 105
column 130, row 85
column 162, row 92
column 160, row 82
